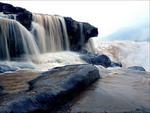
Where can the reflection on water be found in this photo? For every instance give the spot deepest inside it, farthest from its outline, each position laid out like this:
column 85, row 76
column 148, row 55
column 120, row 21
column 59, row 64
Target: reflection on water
column 119, row 90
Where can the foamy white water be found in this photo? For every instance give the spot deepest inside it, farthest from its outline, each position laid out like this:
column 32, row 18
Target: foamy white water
column 51, row 36
column 51, row 60
column 48, row 61
column 129, row 53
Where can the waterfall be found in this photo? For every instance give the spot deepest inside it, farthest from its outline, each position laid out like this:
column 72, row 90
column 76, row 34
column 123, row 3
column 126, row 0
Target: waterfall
column 48, row 34
column 15, row 40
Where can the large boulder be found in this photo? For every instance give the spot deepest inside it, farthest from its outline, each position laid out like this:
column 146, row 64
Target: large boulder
column 50, row 90
column 99, row 59
column 79, row 33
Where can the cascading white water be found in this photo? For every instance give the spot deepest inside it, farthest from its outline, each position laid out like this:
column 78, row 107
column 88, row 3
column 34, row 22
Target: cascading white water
column 89, row 46
column 13, row 34
column 65, row 35
column 48, row 34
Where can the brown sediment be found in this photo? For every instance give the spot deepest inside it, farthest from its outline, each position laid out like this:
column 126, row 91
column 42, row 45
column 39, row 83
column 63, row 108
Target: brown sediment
column 17, row 81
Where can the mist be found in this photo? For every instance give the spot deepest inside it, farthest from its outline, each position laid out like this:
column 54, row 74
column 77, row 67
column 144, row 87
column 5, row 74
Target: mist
column 132, row 33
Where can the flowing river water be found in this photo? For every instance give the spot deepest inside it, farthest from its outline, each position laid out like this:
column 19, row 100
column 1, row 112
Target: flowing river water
column 119, row 90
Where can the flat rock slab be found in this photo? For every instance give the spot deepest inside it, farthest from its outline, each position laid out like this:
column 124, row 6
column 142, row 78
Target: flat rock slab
column 50, row 89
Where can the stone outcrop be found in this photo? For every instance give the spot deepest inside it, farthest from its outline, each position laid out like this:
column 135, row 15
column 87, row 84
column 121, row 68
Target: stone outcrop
column 51, row 89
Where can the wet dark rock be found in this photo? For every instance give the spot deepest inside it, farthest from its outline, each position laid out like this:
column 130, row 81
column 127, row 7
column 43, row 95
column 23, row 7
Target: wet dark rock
column 22, row 15
column 22, row 65
column 50, row 90
column 116, row 64
column 6, row 68
column 25, row 19
column 140, row 68
column 2, row 5
column 79, row 33
column 1, row 90
column 97, row 59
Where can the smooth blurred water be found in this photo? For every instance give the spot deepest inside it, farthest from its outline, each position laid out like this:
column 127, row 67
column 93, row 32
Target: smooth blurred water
column 47, row 34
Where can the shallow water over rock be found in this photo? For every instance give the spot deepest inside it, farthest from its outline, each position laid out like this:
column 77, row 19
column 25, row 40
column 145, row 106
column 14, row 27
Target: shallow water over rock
column 119, row 90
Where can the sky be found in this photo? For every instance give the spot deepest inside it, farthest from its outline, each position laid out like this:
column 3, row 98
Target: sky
column 108, row 16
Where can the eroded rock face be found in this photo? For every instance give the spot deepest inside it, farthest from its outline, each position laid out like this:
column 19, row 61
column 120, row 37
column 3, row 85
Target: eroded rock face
column 51, row 89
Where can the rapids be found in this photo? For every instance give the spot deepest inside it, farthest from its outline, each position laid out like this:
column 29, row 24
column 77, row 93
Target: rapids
column 129, row 53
